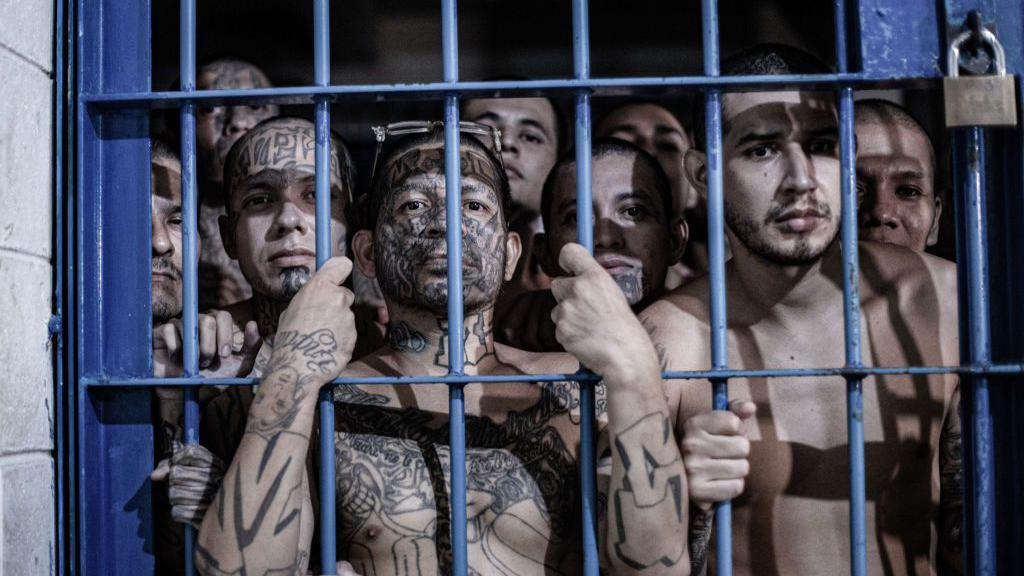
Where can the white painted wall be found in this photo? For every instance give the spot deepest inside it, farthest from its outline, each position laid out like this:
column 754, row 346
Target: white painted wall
column 27, row 537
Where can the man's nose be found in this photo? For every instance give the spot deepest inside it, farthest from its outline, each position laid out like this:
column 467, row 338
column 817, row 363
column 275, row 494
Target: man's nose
column 437, row 225
column 290, row 218
column 509, row 143
column 880, row 209
column 799, row 176
column 162, row 245
column 239, row 120
column 607, row 234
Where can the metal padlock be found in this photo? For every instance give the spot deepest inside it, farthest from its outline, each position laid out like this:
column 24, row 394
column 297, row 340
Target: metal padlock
column 985, row 100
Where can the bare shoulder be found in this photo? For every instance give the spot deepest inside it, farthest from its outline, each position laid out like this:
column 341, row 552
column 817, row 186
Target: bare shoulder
column 678, row 326
column 918, row 278
column 536, row 362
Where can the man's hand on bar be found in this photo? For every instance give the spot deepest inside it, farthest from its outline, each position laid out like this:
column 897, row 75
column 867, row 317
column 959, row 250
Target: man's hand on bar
column 646, row 519
column 715, row 450
column 224, row 350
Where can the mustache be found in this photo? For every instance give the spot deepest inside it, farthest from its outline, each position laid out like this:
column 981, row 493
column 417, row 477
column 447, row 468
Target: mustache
column 778, row 210
column 164, row 265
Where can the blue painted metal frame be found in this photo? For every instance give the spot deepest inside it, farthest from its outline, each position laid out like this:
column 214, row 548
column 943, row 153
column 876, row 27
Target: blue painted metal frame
column 106, row 325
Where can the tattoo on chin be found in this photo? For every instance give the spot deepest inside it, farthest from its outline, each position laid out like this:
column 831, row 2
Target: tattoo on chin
column 632, row 285
column 292, row 280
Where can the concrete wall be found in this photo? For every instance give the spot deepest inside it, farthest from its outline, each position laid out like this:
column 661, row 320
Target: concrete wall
column 26, row 356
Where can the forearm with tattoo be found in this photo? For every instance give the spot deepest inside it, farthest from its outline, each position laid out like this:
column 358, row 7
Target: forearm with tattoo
column 254, row 524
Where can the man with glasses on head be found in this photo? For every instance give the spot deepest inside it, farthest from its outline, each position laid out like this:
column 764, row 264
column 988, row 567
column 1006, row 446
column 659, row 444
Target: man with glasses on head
column 392, row 457
column 784, row 287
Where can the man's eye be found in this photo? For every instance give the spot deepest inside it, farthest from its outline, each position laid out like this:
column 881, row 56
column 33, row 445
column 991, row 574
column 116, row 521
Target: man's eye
column 909, row 192
column 569, row 219
column 256, row 202
column 669, row 147
column 411, row 206
column 175, row 220
column 255, row 107
column 474, row 206
column 532, row 138
column 761, row 151
column 822, row 147
column 635, row 211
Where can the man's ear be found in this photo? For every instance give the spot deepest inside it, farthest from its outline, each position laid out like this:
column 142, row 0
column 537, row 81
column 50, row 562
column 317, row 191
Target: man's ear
column 362, row 253
column 541, row 251
column 679, row 234
column 513, row 250
column 933, row 232
column 696, row 168
column 227, row 235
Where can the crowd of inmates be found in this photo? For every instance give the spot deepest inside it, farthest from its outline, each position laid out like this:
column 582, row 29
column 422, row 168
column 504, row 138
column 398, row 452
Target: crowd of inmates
column 535, row 302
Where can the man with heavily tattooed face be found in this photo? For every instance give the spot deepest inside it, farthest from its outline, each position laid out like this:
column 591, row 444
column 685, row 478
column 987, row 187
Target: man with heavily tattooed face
column 784, row 287
column 637, row 234
column 391, row 442
column 217, row 128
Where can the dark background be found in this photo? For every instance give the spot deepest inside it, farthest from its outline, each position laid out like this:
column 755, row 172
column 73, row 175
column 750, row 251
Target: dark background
column 395, row 41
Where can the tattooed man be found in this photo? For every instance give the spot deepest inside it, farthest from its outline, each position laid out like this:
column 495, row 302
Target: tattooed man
column 392, row 446
column 217, row 128
column 637, row 237
column 222, row 352
column 784, row 285
column 654, row 128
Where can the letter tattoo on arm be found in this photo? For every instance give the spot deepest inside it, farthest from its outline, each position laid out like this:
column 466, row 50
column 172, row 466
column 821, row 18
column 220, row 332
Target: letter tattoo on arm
column 653, row 477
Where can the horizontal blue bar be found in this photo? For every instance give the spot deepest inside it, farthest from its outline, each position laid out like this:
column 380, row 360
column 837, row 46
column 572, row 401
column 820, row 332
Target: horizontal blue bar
column 506, row 88
column 989, row 370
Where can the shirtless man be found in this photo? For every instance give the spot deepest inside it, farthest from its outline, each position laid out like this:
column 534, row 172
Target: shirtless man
column 391, row 441
column 785, row 310
column 895, row 177
column 217, row 128
column 656, row 130
column 637, row 236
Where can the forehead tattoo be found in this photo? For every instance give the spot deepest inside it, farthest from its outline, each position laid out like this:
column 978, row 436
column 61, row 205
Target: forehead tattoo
column 430, row 161
column 280, row 148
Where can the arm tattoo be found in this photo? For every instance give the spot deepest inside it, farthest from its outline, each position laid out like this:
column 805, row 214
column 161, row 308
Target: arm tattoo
column 652, row 475
column 951, row 496
column 700, row 538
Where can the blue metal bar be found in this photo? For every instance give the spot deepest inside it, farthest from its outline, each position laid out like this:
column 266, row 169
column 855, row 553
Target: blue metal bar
column 851, row 321
column 456, row 353
column 977, row 415
column 190, row 255
column 504, row 88
column 992, row 370
column 56, row 329
column 322, row 77
column 716, row 253
column 585, row 236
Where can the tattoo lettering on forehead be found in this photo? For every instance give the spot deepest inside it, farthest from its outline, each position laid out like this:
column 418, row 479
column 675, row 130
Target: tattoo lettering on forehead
column 430, row 162
column 280, row 148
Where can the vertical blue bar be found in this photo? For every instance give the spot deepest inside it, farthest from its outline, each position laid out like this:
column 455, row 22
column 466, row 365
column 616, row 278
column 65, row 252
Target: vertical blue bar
column 977, row 416
column 851, row 303
column 456, row 354
column 851, row 319
column 322, row 77
column 716, row 253
column 190, row 260
column 585, row 236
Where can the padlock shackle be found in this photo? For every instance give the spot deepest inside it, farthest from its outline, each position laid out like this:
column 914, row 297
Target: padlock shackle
column 987, row 37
